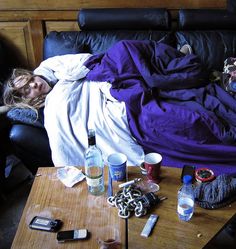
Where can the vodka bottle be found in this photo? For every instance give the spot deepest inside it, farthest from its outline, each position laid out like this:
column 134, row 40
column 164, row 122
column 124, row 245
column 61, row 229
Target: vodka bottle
column 94, row 167
column 186, row 199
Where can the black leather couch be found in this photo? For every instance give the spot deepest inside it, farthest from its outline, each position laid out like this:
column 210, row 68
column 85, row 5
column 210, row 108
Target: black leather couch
column 5, row 124
column 211, row 34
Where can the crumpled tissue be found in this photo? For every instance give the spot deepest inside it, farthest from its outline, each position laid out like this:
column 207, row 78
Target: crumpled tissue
column 70, row 175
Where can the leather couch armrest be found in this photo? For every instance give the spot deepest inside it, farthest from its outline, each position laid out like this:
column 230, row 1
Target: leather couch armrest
column 31, row 145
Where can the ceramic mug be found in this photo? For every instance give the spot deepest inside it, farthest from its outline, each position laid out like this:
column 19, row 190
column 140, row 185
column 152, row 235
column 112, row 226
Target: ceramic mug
column 152, row 163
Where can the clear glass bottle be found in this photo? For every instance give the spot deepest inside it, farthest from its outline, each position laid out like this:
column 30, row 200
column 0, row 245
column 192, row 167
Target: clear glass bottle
column 185, row 207
column 94, row 166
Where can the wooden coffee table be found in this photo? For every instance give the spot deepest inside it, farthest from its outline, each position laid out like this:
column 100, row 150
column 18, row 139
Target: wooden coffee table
column 169, row 231
column 50, row 198
column 74, row 206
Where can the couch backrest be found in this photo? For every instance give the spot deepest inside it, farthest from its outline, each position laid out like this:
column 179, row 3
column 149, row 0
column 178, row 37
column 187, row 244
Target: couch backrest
column 94, row 42
column 101, row 28
column 211, row 33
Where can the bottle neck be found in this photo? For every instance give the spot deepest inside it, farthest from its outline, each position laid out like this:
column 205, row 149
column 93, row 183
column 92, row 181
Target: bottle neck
column 92, row 141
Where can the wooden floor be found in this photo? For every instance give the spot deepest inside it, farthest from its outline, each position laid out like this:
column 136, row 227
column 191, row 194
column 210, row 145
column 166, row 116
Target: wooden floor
column 18, row 186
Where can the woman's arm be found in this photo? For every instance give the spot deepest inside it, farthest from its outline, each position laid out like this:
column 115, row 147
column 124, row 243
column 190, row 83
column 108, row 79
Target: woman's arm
column 63, row 67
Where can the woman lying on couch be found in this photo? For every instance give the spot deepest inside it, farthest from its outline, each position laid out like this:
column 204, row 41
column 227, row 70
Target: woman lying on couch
column 139, row 96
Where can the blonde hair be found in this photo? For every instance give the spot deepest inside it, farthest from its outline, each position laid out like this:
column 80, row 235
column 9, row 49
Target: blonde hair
column 12, row 95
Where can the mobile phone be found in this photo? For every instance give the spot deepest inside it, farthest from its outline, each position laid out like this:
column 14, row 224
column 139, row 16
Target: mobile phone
column 45, row 224
column 188, row 170
column 77, row 234
column 225, row 237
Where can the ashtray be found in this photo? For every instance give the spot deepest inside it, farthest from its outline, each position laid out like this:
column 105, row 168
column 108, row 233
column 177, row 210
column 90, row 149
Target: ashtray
column 204, row 175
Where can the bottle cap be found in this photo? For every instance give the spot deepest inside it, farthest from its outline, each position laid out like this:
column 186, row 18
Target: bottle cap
column 187, row 179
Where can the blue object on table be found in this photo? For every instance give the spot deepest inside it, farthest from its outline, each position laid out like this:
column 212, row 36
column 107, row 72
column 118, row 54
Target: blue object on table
column 109, row 189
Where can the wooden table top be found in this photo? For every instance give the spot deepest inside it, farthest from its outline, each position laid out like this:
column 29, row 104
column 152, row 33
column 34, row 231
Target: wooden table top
column 74, row 206
column 169, row 231
column 50, row 198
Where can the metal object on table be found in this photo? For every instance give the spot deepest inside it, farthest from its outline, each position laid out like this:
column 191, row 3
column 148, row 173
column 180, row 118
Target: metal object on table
column 131, row 199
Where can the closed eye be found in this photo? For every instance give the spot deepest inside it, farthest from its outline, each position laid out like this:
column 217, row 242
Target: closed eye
column 27, row 90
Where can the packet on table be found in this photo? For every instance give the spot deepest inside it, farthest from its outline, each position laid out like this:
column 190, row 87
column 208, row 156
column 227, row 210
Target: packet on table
column 70, row 175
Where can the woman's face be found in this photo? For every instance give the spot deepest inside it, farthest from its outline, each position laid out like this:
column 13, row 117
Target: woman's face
column 34, row 88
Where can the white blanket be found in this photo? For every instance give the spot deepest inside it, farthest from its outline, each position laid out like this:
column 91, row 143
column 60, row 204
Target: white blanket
column 74, row 106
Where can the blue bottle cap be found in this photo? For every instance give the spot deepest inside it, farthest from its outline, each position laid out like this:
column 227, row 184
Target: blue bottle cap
column 187, row 179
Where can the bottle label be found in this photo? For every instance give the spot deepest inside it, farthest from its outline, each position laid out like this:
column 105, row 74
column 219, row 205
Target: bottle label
column 93, row 182
column 185, row 206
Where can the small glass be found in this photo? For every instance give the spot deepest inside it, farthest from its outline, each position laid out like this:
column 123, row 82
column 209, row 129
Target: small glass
column 109, row 244
column 147, row 186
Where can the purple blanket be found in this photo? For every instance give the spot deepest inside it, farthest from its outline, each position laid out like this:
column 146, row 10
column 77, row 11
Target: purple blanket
column 170, row 108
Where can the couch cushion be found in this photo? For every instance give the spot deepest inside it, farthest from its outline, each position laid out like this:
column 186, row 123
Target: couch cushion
column 124, row 18
column 206, row 19
column 94, row 42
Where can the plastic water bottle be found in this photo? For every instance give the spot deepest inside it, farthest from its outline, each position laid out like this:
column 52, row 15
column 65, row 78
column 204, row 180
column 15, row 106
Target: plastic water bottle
column 186, row 199
column 94, row 167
